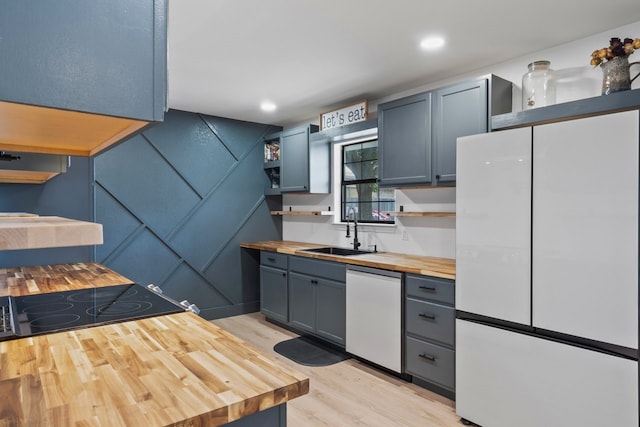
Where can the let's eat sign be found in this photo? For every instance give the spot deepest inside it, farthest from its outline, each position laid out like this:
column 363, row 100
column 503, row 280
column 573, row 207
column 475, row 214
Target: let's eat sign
column 344, row 116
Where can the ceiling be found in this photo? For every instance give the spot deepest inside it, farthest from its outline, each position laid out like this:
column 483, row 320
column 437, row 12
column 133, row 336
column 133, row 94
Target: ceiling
column 311, row 56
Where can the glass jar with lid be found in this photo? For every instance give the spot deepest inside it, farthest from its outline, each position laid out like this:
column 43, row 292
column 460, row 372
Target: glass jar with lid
column 538, row 86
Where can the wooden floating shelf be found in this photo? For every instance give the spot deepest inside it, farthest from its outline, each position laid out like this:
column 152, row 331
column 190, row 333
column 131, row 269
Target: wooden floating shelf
column 308, row 213
column 423, row 214
column 16, row 214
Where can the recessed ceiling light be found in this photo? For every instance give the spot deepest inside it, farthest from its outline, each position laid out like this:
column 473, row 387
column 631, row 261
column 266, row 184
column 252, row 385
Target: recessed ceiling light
column 268, row 106
column 431, row 43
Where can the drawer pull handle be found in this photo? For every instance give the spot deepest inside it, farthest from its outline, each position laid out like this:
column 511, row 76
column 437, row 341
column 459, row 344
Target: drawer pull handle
column 427, row 288
column 284, row 274
column 427, row 316
column 428, row 357
column 315, row 282
column 271, row 259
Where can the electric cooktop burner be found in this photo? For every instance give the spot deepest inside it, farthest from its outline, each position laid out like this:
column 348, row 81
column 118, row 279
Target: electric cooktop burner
column 46, row 313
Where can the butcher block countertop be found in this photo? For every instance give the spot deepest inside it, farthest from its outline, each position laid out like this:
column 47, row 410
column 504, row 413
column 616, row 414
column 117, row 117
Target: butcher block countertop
column 425, row 265
column 165, row 370
column 176, row 369
column 54, row 278
column 30, row 232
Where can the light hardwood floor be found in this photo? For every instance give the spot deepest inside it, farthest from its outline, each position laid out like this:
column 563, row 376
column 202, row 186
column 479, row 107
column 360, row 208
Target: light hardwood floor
column 349, row 393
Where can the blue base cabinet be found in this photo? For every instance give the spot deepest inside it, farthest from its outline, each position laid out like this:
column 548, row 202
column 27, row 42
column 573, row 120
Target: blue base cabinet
column 308, row 295
column 317, row 298
column 430, row 332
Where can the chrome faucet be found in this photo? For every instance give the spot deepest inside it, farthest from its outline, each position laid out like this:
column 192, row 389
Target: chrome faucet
column 356, row 244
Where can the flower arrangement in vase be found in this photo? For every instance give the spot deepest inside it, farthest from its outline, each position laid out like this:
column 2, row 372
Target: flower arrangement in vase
column 614, row 61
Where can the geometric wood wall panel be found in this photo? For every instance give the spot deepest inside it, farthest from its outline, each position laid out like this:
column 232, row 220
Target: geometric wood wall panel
column 175, row 203
column 234, row 133
column 194, row 151
column 146, row 184
column 145, row 258
column 115, row 218
column 186, row 283
column 213, row 223
column 223, row 269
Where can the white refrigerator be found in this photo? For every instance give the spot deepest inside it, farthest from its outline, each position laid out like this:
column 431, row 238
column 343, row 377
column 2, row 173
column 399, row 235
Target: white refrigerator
column 547, row 274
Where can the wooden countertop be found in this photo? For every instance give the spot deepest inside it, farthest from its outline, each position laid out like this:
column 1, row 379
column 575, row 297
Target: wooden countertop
column 54, row 278
column 416, row 264
column 29, row 232
column 173, row 369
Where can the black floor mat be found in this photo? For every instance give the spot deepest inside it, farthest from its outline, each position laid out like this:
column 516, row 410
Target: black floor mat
column 309, row 352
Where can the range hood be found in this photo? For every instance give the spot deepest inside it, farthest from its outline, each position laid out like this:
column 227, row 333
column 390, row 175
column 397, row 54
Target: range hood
column 30, row 168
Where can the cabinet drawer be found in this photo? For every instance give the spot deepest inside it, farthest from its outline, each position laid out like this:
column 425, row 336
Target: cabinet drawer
column 273, row 259
column 430, row 362
column 317, row 268
column 431, row 321
column 431, row 288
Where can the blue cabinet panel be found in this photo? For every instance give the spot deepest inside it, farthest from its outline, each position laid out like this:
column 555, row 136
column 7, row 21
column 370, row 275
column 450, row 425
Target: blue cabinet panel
column 146, row 184
column 193, row 150
column 404, row 132
column 99, row 56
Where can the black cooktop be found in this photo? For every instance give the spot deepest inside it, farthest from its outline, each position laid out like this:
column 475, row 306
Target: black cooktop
column 59, row 311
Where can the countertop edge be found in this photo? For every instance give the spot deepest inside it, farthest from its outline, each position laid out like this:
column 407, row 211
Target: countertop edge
column 271, row 382
column 429, row 266
column 254, row 404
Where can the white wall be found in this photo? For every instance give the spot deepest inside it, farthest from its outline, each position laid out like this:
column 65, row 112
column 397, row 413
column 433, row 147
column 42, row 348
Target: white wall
column 436, row 236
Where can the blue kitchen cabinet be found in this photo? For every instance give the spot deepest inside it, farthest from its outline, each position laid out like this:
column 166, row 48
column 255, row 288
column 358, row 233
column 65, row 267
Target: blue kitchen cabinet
column 306, row 294
column 103, row 56
column 317, row 298
column 301, row 164
column 274, row 286
column 404, row 141
column 80, row 76
column 417, row 134
column 430, row 332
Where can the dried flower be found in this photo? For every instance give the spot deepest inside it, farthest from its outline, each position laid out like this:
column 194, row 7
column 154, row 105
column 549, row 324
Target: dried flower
column 617, row 47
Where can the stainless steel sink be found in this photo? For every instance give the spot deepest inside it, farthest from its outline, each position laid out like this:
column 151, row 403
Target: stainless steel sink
column 337, row 251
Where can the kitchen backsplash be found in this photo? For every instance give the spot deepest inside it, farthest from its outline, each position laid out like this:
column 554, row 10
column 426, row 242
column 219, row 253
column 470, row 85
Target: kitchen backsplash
column 410, row 235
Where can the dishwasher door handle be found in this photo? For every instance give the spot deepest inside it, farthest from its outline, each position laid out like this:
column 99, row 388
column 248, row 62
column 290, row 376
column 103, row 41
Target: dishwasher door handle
column 376, row 271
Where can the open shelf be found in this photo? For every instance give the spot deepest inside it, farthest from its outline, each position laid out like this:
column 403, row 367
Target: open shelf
column 422, row 214
column 308, row 213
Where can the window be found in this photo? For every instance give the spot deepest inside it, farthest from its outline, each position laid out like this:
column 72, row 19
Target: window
column 359, row 185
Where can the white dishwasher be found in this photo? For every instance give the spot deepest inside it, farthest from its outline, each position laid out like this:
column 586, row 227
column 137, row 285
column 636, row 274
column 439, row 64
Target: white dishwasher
column 374, row 316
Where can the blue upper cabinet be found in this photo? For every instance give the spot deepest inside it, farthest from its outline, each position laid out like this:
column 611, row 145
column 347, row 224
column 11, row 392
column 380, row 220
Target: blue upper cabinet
column 418, row 134
column 104, row 58
column 404, row 141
